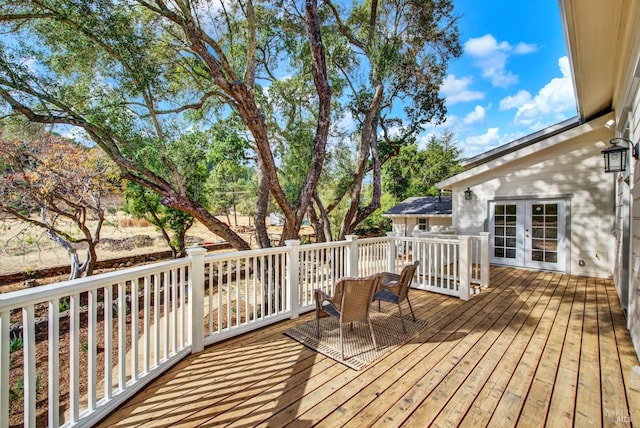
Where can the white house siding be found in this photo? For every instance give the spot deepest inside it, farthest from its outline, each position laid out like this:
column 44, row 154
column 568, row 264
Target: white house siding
column 633, row 314
column 404, row 226
column 571, row 169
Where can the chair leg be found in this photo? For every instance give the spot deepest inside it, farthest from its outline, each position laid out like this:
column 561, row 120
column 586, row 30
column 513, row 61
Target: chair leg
column 404, row 328
column 318, row 323
column 341, row 343
column 409, row 302
column 375, row 345
column 378, row 305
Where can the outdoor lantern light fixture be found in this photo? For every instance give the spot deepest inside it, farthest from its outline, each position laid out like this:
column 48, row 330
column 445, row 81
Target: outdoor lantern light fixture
column 615, row 156
column 468, row 194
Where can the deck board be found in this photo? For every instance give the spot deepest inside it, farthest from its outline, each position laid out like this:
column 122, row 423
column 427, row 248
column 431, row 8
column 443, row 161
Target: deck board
column 534, row 349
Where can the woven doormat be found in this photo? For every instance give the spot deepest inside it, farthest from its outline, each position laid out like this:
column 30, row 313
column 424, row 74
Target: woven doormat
column 358, row 346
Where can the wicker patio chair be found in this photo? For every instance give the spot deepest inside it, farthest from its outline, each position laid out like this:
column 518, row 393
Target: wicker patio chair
column 394, row 288
column 350, row 303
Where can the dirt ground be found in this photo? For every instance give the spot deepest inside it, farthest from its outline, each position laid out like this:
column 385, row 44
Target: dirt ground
column 27, row 249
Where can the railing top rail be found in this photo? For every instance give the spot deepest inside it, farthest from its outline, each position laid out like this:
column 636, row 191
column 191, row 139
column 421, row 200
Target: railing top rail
column 320, row 245
column 237, row 255
column 20, row 298
column 374, row 240
column 435, row 238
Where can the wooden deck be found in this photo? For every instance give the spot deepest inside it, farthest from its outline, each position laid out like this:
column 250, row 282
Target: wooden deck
column 535, row 349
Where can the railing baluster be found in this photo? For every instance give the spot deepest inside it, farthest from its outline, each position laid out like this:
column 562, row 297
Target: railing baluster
column 220, row 288
column 122, row 336
column 145, row 324
column 210, row 310
column 108, row 341
column 255, row 287
column 74, row 357
column 174, row 311
column 166, row 288
column 92, row 326
column 246, row 290
column 182, row 312
column 54, row 363
column 157, row 278
column 238, row 285
column 134, row 330
column 29, row 360
column 229, row 291
column 277, row 285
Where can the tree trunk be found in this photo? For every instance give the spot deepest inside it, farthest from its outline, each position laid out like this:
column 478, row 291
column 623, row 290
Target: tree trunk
column 368, row 144
column 207, row 219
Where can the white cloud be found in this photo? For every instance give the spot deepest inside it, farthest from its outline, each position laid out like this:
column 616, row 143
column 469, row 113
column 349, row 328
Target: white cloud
column 485, row 46
column 525, row 48
column 456, row 90
column 423, row 140
column 515, row 101
column 346, row 123
column 491, row 57
column 476, row 115
column 554, row 99
column 484, row 141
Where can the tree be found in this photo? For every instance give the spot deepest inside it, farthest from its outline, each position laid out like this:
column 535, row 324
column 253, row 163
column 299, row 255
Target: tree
column 136, row 76
column 58, row 186
column 416, row 172
column 128, row 75
column 404, row 47
column 171, row 223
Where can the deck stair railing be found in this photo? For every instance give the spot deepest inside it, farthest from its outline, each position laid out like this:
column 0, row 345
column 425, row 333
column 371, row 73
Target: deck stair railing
column 109, row 335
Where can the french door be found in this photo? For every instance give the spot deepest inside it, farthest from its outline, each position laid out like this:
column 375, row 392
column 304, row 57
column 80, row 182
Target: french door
column 529, row 233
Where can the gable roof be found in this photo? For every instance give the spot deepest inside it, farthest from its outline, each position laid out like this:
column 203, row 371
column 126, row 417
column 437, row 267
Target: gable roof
column 422, row 206
column 515, row 151
column 521, row 143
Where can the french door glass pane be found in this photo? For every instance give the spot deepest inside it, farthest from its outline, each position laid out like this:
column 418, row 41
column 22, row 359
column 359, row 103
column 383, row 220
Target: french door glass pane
column 544, row 233
column 505, row 221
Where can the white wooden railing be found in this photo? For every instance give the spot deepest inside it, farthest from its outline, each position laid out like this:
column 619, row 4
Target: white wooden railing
column 125, row 328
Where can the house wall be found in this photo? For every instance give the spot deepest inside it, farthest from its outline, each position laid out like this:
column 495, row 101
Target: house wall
column 403, row 226
column 572, row 169
column 628, row 118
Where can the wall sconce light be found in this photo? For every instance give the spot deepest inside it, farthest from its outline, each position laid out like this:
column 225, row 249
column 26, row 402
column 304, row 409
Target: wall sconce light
column 468, row 194
column 615, row 156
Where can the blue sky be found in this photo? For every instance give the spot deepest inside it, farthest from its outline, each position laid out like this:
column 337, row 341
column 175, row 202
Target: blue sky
column 513, row 78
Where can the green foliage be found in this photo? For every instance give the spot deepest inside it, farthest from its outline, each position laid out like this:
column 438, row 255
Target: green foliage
column 16, row 391
column 63, row 304
column 375, row 224
column 231, row 182
column 416, row 172
column 16, row 344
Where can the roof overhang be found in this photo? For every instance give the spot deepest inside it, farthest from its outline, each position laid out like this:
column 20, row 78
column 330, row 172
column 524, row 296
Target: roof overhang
column 596, row 32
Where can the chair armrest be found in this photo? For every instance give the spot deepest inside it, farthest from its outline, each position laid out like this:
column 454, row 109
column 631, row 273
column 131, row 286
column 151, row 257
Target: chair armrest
column 320, row 296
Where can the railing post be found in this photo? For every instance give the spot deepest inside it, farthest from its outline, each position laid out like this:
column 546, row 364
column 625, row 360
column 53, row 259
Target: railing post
column 293, row 276
column 484, row 259
column 391, row 252
column 196, row 299
column 352, row 255
column 464, row 262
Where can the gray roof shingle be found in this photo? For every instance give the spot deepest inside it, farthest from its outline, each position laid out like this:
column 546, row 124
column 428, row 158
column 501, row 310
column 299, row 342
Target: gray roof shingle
column 422, row 206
